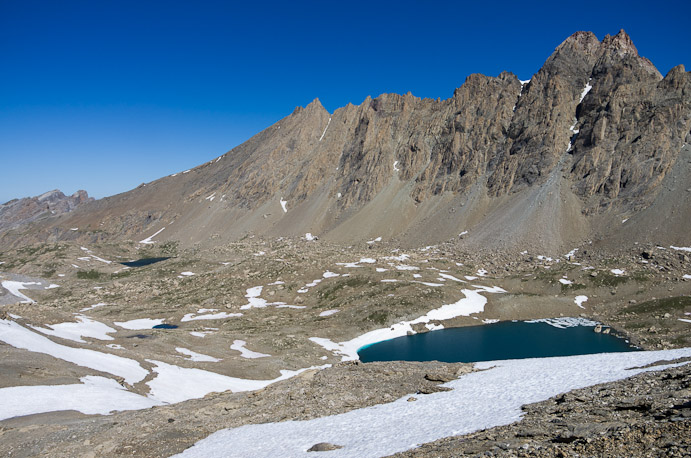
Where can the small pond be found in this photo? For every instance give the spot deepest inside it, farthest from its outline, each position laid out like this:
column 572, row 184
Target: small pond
column 504, row 340
column 143, row 262
column 165, row 326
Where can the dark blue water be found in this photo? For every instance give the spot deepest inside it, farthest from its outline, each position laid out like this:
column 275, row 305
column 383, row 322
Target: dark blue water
column 143, row 262
column 504, row 340
column 165, row 326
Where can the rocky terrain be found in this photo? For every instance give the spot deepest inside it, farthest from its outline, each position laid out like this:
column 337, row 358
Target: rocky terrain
column 646, row 301
column 17, row 212
column 238, row 292
column 596, row 137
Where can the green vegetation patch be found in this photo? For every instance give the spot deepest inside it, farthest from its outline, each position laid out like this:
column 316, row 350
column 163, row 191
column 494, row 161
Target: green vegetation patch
column 609, row 279
column 89, row 274
column 664, row 305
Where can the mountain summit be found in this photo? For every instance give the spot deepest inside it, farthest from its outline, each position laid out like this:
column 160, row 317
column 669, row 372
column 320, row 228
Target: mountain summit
column 596, row 137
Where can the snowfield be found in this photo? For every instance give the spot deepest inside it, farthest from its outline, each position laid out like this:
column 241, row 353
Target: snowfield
column 401, row 425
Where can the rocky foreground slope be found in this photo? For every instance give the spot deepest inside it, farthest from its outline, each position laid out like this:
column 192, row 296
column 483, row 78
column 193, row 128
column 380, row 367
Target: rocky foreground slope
column 595, row 138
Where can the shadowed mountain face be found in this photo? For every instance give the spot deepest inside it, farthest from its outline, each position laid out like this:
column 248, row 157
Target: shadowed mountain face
column 596, row 137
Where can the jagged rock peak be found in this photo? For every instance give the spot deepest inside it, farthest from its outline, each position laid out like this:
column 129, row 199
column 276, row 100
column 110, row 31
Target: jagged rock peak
column 314, row 106
column 621, row 43
column 584, row 41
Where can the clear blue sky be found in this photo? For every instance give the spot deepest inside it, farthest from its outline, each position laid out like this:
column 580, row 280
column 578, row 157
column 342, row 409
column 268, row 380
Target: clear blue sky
column 104, row 95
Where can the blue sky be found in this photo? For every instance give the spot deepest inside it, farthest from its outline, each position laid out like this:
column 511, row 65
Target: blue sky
column 105, row 95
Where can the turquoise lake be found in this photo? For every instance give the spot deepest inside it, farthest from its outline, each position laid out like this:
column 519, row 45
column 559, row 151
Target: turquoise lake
column 503, row 340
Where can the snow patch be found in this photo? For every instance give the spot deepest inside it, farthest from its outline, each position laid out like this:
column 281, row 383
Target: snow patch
column 19, row 337
column 210, row 316
column 197, row 357
column 94, row 396
column 14, row 286
column 148, row 241
column 239, row 345
column 386, row 429
column 579, row 300
column 325, row 128
column 137, row 325
column 84, row 327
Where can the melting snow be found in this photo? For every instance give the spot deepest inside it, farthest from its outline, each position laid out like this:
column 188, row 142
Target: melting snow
column 328, row 312
column 85, row 327
column 176, row 384
column 325, row 128
column 94, row 396
column 142, row 323
column 586, row 89
column 14, row 286
column 681, row 248
column 564, row 281
column 395, row 164
column 565, row 322
column 18, row 336
column 186, row 274
column 283, row 205
column 239, row 345
column 210, row 316
column 378, row 239
column 148, row 241
column 473, row 302
column 451, row 277
column 618, row 272
column 197, row 357
column 579, row 300
column 386, row 429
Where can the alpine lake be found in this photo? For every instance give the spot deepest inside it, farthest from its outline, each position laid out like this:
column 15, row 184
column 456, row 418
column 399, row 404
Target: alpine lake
column 498, row 341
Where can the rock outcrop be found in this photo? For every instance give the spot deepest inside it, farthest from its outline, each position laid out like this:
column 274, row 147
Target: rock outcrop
column 20, row 211
column 592, row 136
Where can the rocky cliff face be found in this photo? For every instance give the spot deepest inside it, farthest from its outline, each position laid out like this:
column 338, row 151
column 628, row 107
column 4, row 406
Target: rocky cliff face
column 20, row 211
column 593, row 135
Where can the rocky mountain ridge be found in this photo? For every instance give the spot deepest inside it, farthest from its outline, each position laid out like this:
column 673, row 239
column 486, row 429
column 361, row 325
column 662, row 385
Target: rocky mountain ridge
column 17, row 212
column 559, row 160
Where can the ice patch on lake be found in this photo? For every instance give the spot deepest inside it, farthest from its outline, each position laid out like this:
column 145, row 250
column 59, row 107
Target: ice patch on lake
column 565, row 322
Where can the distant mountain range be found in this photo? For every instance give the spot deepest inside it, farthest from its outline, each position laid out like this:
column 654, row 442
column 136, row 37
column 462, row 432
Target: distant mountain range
column 592, row 148
column 18, row 212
